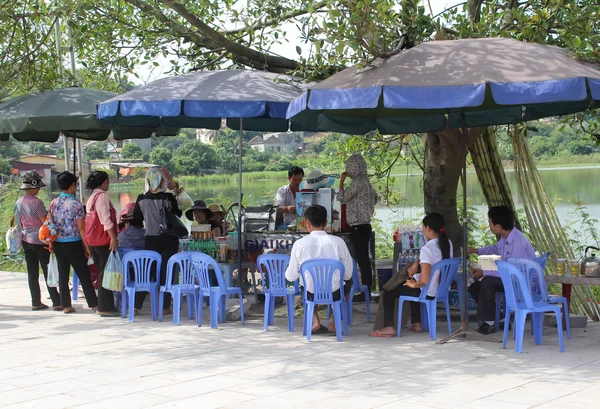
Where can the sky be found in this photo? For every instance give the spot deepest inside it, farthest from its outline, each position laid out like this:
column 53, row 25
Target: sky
column 288, row 50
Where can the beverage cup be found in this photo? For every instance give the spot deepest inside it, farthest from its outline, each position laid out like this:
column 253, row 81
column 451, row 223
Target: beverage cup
column 575, row 266
column 561, row 266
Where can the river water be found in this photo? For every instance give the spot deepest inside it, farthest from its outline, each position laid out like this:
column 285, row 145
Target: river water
column 565, row 186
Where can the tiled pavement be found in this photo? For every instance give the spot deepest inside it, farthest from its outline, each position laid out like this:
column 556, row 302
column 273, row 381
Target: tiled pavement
column 51, row 360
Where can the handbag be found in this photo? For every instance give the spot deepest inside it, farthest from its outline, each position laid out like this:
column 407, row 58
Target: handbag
column 170, row 223
column 95, row 235
column 48, row 233
column 14, row 234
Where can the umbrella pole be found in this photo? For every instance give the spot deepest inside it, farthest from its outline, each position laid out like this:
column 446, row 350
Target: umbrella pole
column 464, row 329
column 80, row 164
column 240, row 206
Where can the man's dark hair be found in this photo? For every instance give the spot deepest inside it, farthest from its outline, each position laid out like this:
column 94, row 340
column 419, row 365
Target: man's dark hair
column 316, row 215
column 295, row 170
column 65, row 180
column 503, row 216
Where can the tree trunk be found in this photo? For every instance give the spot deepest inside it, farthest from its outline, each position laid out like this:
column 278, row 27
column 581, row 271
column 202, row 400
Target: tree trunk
column 444, row 158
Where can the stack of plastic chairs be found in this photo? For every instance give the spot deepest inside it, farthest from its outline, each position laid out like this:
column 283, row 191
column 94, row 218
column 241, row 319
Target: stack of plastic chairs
column 201, row 263
column 142, row 262
column 179, row 268
column 519, row 300
column 276, row 286
column 448, row 268
column 321, row 272
column 500, row 295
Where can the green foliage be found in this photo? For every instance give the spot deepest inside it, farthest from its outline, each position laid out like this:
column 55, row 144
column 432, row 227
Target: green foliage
column 11, row 149
column 161, row 156
column 131, row 151
column 96, row 151
column 5, row 167
column 192, row 157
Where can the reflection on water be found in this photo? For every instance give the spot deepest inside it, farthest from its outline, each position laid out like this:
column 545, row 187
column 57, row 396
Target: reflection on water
column 564, row 186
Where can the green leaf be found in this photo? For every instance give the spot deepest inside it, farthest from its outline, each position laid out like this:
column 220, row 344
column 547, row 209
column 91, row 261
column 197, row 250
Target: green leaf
column 299, row 50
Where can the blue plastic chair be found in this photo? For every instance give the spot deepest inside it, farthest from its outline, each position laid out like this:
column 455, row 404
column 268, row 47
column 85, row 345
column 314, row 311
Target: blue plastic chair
column 500, row 295
column 537, row 287
column 358, row 288
column 277, row 286
column 322, row 272
column 217, row 295
column 181, row 279
column 447, row 268
column 142, row 262
column 519, row 300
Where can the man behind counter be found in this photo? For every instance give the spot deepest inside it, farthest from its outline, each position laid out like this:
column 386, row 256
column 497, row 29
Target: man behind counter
column 285, row 198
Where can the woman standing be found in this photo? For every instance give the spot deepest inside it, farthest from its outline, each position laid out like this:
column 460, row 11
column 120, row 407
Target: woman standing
column 31, row 214
column 159, row 210
column 101, row 235
column 70, row 248
column 438, row 248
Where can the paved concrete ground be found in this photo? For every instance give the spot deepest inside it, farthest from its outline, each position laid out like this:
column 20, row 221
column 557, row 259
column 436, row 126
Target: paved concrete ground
column 51, row 360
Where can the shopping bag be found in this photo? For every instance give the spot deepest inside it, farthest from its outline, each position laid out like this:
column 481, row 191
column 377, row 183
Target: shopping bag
column 184, row 201
column 52, row 271
column 13, row 240
column 113, row 275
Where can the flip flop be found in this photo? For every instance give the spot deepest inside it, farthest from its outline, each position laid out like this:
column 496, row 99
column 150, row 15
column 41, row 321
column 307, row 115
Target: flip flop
column 322, row 330
column 69, row 310
column 378, row 334
column 108, row 314
column 39, row 307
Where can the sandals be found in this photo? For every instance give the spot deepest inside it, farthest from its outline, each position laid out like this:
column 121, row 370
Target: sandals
column 322, row 330
column 69, row 310
column 57, row 307
column 378, row 334
column 412, row 329
column 39, row 307
column 108, row 314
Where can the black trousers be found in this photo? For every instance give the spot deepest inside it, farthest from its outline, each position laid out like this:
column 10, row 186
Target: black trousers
column 484, row 292
column 106, row 299
column 389, row 302
column 35, row 256
column 72, row 254
column 166, row 246
column 360, row 236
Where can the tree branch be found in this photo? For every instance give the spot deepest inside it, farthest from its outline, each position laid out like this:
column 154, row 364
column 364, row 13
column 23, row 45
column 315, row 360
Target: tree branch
column 272, row 22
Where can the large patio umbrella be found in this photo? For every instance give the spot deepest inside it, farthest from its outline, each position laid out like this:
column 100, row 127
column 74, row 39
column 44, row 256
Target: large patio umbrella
column 458, row 83
column 246, row 99
column 42, row 116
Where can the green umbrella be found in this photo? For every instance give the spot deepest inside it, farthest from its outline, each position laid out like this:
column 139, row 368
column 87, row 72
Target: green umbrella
column 42, row 116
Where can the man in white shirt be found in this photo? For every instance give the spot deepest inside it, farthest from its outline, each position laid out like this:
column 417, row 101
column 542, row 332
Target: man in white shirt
column 319, row 244
column 285, row 198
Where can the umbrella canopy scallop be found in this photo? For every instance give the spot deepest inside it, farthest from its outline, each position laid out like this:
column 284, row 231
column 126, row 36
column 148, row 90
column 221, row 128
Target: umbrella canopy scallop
column 489, row 81
column 42, row 116
column 202, row 99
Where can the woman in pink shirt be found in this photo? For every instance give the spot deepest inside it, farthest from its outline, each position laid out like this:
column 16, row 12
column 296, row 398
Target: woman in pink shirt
column 100, row 204
column 30, row 215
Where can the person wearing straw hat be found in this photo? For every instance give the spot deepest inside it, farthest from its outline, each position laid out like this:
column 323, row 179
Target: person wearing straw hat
column 201, row 214
column 219, row 217
column 285, row 199
column 30, row 214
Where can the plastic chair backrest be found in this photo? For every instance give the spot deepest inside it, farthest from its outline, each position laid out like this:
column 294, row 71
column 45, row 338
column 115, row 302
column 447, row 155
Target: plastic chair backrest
column 516, row 289
column 534, row 274
column 321, row 272
column 180, row 268
column 201, row 263
column 542, row 260
column 448, row 268
column 124, row 250
column 275, row 266
column 141, row 261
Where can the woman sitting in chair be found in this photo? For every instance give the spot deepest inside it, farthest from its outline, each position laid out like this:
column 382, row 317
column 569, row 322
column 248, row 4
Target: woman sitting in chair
column 438, row 247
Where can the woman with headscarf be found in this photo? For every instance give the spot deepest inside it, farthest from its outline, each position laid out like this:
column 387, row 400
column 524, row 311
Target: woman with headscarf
column 360, row 199
column 30, row 214
column 158, row 208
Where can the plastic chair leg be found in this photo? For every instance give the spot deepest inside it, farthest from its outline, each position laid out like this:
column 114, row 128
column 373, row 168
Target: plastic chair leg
column 131, row 303
column 154, row 303
column 214, row 313
column 161, row 303
column 199, row 307
column 304, row 318
column 506, row 322
column 424, row 317
column 190, row 300
column 176, row 307
column 338, row 320
column 520, row 318
column 431, row 314
column 567, row 317
column 75, row 289
column 368, row 302
column 448, row 316
column 537, row 324
column 267, row 310
column 222, row 308
column 561, row 341
column 499, row 299
column 123, row 303
column 271, row 310
column 399, row 325
column 310, row 307
column 290, row 310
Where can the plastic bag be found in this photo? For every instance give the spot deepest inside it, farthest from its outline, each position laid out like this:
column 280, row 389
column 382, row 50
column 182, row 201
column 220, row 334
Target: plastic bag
column 13, row 240
column 53, row 271
column 113, row 275
column 184, row 201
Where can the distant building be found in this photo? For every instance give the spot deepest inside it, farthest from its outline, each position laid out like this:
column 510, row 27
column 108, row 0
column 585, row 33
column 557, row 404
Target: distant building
column 275, row 142
column 45, row 165
column 206, row 136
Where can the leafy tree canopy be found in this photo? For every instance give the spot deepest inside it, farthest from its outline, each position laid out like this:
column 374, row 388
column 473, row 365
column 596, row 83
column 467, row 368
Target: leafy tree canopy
column 131, row 151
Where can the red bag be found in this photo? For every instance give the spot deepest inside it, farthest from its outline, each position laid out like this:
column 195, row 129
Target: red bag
column 95, row 235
